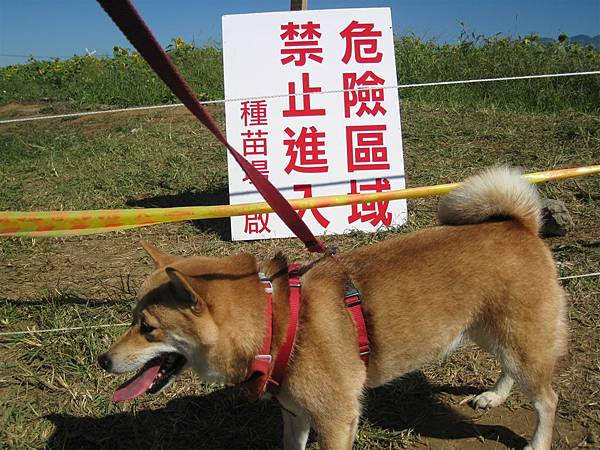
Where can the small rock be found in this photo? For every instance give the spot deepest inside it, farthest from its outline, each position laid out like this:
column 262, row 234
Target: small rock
column 556, row 220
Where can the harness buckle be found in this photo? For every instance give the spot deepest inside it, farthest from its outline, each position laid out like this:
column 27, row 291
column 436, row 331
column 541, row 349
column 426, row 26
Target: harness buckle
column 266, row 282
column 268, row 358
column 352, row 299
column 351, row 293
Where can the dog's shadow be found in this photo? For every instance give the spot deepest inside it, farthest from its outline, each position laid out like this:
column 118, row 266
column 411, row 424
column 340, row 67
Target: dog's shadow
column 412, row 403
column 225, row 420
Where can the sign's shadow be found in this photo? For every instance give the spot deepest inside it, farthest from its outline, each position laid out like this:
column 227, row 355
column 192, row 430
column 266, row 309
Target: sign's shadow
column 217, row 196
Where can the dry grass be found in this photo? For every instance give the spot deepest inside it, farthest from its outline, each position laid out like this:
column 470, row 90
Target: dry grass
column 53, row 395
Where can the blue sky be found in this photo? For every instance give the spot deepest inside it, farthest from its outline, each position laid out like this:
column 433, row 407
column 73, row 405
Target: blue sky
column 64, row 27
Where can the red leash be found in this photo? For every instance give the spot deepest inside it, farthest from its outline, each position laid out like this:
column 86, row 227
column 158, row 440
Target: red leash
column 126, row 17
column 262, row 374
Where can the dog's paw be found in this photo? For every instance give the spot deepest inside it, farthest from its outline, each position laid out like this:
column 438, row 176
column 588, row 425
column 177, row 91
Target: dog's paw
column 488, row 399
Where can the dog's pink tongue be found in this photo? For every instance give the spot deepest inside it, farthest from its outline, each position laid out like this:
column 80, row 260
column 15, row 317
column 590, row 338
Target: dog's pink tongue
column 137, row 386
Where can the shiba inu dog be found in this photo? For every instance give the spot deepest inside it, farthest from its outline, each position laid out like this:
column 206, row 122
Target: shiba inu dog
column 484, row 275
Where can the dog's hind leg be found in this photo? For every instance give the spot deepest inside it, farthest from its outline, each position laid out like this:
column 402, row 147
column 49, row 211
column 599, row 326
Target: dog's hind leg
column 533, row 373
column 497, row 395
column 501, row 390
column 528, row 347
column 296, row 428
column 536, row 365
column 544, row 401
column 538, row 362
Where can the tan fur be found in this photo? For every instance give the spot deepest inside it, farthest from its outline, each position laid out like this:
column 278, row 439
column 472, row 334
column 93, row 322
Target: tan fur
column 499, row 192
column 492, row 282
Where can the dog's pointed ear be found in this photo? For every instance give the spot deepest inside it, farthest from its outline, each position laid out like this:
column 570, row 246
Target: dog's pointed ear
column 160, row 258
column 184, row 289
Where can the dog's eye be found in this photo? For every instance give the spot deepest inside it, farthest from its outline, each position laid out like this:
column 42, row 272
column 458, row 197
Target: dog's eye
column 145, row 328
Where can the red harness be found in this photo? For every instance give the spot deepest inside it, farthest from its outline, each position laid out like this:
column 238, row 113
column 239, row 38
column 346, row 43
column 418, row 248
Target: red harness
column 265, row 376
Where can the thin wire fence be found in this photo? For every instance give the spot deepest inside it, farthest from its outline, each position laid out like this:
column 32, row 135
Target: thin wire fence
column 115, row 325
column 332, row 91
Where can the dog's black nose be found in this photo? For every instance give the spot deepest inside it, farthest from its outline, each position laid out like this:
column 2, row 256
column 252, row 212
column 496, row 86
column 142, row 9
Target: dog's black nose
column 105, row 361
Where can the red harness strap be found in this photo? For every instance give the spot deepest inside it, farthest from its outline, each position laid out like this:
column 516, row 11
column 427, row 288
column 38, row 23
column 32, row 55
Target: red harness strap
column 262, row 375
column 259, row 369
column 283, row 357
column 353, row 303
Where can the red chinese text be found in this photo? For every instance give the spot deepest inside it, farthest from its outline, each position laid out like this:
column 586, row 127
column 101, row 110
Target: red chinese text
column 262, row 165
column 306, row 110
column 361, row 42
column 365, row 149
column 254, row 142
column 306, row 151
column 306, row 189
column 254, row 112
column 256, row 223
column 374, row 212
column 301, row 42
column 369, row 100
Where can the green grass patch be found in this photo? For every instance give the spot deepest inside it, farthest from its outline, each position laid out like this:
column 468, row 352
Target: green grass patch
column 134, row 158
column 121, row 80
column 126, row 80
column 116, row 162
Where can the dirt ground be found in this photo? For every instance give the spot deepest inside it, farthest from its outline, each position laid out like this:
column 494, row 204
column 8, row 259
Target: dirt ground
column 433, row 413
column 53, row 395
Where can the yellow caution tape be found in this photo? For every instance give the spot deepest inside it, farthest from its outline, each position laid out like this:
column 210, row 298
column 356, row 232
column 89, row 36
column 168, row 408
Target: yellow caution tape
column 70, row 223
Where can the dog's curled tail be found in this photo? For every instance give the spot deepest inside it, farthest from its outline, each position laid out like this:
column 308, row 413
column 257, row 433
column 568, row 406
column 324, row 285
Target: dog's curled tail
column 498, row 192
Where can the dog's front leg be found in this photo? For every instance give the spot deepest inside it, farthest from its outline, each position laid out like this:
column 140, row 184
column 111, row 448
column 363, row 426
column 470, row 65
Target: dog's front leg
column 295, row 430
column 337, row 431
